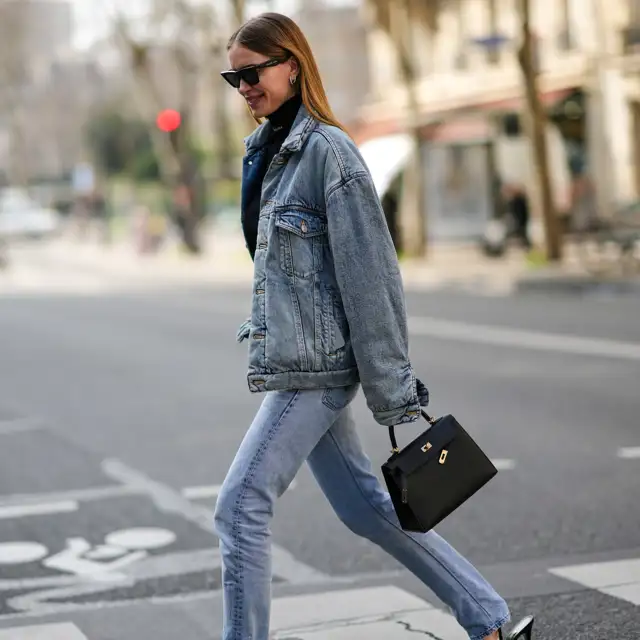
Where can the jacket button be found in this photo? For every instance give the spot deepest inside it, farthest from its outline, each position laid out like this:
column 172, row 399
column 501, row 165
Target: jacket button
column 304, row 227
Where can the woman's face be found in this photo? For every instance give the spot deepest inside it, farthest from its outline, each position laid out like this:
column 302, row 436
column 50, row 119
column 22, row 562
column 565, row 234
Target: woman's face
column 274, row 86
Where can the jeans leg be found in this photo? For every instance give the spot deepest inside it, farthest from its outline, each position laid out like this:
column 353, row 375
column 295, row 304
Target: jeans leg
column 285, row 430
column 343, row 471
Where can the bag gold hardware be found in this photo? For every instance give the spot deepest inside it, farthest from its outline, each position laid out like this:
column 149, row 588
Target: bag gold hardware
column 425, row 447
column 443, row 456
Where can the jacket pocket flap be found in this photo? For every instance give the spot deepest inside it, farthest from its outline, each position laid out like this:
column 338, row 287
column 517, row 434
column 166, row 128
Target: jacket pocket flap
column 303, row 224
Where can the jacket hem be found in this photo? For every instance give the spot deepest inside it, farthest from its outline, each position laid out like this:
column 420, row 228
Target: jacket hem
column 290, row 380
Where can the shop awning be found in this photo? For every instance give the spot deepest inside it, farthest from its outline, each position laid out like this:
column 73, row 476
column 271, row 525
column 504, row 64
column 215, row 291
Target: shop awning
column 386, row 157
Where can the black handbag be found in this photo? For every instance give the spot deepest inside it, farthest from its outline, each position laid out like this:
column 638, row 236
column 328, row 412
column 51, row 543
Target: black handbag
column 435, row 474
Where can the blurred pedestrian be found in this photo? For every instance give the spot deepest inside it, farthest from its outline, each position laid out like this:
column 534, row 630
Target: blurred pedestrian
column 185, row 218
column 328, row 314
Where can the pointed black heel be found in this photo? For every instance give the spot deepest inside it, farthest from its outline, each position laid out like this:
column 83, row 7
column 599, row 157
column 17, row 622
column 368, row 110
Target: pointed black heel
column 522, row 631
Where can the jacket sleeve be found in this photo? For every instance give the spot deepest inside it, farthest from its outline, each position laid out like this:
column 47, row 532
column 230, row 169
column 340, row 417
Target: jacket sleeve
column 370, row 284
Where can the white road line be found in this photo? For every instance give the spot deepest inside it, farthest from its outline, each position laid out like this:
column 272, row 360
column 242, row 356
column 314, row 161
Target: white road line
column 503, row 464
column 310, row 610
column 202, row 493
column 533, row 340
column 78, row 495
column 19, row 425
column 21, row 511
column 171, row 501
column 629, row 453
column 64, row 631
column 374, row 613
column 619, row 578
column 209, row 491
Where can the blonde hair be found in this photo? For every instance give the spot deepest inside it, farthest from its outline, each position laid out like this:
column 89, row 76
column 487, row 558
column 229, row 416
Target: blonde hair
column 277, row 36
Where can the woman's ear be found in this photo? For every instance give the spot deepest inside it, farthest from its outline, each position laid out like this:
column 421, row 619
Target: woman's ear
column 295, row 67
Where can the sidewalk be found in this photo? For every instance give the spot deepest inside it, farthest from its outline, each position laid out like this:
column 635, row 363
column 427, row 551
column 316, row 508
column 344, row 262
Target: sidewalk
column 226, row 261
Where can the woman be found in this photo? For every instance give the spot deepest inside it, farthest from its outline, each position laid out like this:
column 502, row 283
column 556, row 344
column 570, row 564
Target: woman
column 327, row 315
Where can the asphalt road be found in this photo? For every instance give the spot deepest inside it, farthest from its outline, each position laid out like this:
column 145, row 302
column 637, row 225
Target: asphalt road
column 120, row 413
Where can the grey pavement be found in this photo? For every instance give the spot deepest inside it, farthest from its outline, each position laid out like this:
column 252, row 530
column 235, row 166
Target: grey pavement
column 121, row 409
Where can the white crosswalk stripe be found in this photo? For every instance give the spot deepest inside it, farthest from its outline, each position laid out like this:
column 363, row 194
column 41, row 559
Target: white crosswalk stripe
column 63, row 631
column 373, row 613
column 619, row 578
column 381, row 612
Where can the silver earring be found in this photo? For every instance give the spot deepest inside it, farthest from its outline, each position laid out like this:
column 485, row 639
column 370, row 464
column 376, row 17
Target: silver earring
column 292, row 80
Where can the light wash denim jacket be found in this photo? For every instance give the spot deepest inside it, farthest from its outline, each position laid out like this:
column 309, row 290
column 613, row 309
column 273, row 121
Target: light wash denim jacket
column 328, row 304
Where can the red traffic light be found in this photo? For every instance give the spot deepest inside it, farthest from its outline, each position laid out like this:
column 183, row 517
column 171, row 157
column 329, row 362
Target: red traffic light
column 168, row 120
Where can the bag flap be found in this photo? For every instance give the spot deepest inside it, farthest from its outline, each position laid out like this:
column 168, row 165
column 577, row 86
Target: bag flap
column 302, row 223
column 418, row 453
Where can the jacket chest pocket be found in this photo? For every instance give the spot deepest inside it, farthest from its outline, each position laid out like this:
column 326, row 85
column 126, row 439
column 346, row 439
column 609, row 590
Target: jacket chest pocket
column 302, row 237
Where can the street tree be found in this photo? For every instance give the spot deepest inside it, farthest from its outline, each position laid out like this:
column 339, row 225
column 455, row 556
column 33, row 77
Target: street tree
column 395, row 17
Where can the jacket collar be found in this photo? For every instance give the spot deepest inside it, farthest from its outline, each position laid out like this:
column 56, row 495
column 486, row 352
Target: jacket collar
column 302, row 128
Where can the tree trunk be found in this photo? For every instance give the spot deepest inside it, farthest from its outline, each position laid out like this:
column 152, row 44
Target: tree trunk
column 413, row 226
column 537, row 120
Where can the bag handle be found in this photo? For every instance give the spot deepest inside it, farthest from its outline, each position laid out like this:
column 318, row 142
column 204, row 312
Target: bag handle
column 392, row 433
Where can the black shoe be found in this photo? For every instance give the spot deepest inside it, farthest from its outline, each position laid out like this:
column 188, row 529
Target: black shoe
column 522, row 631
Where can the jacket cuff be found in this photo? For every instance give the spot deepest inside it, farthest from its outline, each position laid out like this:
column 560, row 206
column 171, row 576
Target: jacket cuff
column 401, row 415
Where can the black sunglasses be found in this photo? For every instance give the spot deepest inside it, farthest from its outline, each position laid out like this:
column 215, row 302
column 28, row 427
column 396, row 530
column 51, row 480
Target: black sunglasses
column 251, row 75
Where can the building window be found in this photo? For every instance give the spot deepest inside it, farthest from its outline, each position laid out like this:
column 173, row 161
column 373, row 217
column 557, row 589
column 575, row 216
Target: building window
column 631, row 34
column 493, row 47
column 565, row 34
column 460, row 57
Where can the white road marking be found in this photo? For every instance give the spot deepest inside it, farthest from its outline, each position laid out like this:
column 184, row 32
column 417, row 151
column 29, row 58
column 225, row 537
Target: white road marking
column 628, row 592
column 205, row 492
column 21, row 552
column 19, row 425
column 307, row 611
column 141, row 538
column 202, row 493
column 503, row 464
column 629, row 453
column 533, row 340
column 21, row 511
column 64, row 631
column 79, row 495
column 376, row 613
column 619, row 578
column 171, row 501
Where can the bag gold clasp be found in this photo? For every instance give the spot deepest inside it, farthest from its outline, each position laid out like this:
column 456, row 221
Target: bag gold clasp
column 443, row 456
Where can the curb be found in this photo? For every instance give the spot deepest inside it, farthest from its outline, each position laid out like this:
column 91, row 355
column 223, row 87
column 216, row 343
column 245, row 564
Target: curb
column 577, row 285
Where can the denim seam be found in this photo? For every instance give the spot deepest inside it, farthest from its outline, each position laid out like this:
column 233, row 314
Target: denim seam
column 333, row 189
column 253, row 466
column 336, row 152
column 384, row 517
column 327, row 402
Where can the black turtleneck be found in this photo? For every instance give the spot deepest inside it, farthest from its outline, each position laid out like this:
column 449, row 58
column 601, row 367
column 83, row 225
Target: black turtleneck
column 281, row 122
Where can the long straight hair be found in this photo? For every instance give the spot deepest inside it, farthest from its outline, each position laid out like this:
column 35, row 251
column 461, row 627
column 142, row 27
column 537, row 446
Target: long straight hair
column 277, row 36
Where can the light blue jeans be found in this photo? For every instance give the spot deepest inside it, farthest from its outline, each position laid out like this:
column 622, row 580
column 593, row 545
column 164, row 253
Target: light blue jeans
column 289, row 428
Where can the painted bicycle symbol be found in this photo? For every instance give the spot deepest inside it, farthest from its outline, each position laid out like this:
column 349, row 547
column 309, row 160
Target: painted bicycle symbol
column 80, row 558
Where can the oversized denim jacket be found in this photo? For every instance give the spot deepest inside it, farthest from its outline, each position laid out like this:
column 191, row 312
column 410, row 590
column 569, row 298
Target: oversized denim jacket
column 328, row 304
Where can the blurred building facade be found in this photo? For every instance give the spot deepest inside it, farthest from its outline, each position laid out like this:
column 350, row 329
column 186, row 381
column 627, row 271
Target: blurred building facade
column 338, row 37
column 34, row 35
column 470, row 96
column 42, row 29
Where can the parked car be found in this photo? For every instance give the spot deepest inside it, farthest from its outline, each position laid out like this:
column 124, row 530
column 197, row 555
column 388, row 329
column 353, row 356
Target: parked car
column 21, row 217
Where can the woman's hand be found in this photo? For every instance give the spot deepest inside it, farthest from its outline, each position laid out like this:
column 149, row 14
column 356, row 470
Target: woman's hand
column 423, row 393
